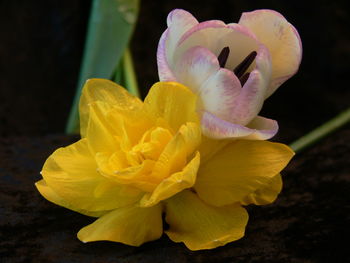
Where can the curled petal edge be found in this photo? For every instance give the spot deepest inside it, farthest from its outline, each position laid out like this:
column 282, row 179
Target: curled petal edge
column 164, row 71
column 259, row 128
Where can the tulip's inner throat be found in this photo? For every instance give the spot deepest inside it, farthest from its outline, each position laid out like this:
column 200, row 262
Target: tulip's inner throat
column 241, row 68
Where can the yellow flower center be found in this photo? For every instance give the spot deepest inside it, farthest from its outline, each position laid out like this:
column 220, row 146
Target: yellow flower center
column 150, row 146
column 134, row 165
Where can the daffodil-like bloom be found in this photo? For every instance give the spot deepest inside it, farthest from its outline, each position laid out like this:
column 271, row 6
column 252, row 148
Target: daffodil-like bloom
column 232, row 67
column 137, row 161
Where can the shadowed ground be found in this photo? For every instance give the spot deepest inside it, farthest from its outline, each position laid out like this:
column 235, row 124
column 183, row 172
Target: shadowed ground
column 307, row 223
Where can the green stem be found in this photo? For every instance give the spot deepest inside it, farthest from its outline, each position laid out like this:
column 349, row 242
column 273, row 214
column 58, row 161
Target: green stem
column 119, row 74
column 110, row 27
column 129, row 74
column 320, row 132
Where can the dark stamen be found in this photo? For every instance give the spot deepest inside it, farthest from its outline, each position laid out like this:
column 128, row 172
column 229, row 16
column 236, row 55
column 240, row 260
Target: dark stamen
column 244, row 78
column 244, row 65
column 223, row 56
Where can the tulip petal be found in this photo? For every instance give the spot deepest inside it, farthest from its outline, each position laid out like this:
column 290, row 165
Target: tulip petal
column 106, row 91
column 173, row 102
column 201, row 35
column 264, row 128
column 195, row 67
column 179, row 22
column 214, row 35
column 282, row 40
column 164, row 70
column 51, row 196
column 219, row 92
column 201, row 226
column 259, row 129
column 251, row 99
column 173, row 184
column 265, row 195
column 129, row 225
column 71, row 172
column 240, row 168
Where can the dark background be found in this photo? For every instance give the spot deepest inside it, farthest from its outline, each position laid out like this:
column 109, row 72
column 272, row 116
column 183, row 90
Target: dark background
column 41, row 44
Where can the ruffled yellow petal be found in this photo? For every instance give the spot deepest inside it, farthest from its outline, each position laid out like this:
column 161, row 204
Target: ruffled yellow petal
column 129, row 225
column 177, row 152
column 265, row 195
column 138, row 176
column 201, row 226
column 129, row 125
column 99, row 132
column 173, row 102
column 106, row 91
column 71, row 172
column 240, row 169
column 173, row 184
column 51, row 196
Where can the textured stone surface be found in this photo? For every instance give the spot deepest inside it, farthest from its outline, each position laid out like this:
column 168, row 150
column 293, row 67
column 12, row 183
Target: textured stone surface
column 307, row 223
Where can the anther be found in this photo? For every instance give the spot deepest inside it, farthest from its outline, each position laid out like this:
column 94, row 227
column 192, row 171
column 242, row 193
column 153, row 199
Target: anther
column 223, row 56
column 244, row 65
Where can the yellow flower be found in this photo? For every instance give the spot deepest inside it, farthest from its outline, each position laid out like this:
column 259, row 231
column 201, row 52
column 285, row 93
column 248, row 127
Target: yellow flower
column 138, row 160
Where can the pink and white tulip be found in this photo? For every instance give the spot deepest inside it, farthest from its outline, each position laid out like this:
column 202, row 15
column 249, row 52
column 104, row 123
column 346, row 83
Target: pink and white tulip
column 232, row 67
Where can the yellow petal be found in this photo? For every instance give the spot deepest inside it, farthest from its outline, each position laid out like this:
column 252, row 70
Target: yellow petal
column 265, row 195
column 173, row 184
column 239, row 169
column 178, row 151
column 209, row 147
column 173, row 102
column 201, row 226
column 71, row 173
column 99, row 132
column 129, row 125
column 138, row 176
column 129, row 225
column 106, row 91
column 51, row 196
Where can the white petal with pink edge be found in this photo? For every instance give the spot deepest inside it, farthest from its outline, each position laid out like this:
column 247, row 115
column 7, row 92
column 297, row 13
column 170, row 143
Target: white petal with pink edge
column 179, row 21
column 196, row 65
column 251, row 98
column 219, row 92
column 259, row 129
column 282, row 40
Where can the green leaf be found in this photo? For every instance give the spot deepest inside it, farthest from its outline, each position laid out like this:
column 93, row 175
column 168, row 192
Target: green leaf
column 109, row 31
column 129, row 78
